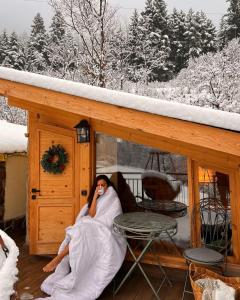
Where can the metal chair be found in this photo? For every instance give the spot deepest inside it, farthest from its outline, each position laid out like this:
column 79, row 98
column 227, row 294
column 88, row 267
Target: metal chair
column 212, row 219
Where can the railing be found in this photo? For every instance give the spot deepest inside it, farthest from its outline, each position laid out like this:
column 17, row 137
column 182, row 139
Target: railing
column 133, row 179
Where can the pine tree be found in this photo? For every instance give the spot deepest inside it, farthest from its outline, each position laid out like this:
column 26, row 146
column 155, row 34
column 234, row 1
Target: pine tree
column 57, row 28
column 179, row 51
column 37, row 46
column 161, row 24
column 4, row 46
column 230, row 24
column 133, row 48
column 154, row 43
column 57, row 42
column 200, row 36
column 208, row 34
column 160, row 16
column 15, row 57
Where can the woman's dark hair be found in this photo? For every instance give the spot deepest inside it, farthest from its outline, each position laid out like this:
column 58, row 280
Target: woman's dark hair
column 92, row 191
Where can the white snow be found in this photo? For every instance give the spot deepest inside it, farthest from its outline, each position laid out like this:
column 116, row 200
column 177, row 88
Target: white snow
column 12, row 137
column 208, row 116
column 8, row 268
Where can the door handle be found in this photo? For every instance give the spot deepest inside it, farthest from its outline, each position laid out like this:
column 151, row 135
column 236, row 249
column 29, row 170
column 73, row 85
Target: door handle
column 83, row 192
column 34, row 190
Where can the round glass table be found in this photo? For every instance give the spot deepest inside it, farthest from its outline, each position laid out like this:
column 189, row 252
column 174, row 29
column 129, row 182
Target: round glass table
column 145, row 226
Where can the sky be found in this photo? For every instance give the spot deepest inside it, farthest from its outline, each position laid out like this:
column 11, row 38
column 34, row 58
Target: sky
column 17, row 15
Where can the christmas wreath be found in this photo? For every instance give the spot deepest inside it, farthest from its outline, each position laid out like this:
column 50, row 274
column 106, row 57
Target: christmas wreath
column 54, row 160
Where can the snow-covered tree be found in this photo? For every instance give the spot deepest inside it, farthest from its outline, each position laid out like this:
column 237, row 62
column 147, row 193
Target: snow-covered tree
column 93, row 22
column 37, row 59
column 179, row 51
column 212, row 80
column 133, row 48
column 154, row 48
column 200, row 36
column 62, row 51
column 12, row 114
column 63, row 58
column 118, row 60
column 208, row 33
column 57, row 28
column 160, row 16
column 14, row 56
column 230, row 23
column 4, row 46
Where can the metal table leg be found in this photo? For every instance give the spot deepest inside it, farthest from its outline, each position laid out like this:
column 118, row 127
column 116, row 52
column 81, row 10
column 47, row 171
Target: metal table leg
column 161, row 268
column 137, row 263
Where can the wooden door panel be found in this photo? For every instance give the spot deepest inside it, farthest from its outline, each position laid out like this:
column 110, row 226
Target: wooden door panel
column 56, row 185
column 52, row 223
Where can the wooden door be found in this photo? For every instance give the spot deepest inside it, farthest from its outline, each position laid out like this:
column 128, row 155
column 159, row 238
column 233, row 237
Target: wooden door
column 54, row 206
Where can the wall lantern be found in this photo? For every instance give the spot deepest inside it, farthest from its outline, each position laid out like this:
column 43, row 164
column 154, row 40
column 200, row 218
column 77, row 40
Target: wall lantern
column 83, row 131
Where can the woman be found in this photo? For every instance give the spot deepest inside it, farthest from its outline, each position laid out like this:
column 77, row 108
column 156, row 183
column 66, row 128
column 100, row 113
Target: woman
column 91, row 253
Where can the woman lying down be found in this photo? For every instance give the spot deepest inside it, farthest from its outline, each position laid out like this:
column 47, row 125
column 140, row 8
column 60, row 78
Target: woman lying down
column 91, row 253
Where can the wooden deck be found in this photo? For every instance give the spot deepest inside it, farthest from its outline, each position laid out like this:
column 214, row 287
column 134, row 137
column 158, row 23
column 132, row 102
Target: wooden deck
column 31, row 276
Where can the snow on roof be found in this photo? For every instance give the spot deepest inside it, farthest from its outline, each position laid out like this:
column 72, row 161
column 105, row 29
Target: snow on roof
column 12, row 137
column 202, row 115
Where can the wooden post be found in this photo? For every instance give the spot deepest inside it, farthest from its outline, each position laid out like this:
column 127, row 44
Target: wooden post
column 193, row 196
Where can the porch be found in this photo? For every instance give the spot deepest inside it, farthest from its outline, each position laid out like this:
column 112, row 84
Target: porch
column 31, row 277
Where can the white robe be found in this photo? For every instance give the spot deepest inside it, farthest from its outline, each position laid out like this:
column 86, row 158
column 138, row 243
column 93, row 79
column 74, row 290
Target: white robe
column 95, row 254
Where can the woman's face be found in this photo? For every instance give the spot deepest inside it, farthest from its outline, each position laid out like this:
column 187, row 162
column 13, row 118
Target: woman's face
column 102, row 184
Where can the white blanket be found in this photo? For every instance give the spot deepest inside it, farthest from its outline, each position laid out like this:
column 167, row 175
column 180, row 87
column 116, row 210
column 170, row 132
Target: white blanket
column 215, row 289
column 95, row 254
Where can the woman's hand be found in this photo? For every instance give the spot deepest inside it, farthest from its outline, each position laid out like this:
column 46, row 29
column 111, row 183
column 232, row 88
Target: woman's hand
column 96, row 194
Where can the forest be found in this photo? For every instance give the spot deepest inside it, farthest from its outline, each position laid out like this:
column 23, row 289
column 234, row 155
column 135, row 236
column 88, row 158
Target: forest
column 176, row 56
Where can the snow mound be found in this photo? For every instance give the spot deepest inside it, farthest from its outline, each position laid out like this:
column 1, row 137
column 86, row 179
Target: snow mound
column 12, row 137
column 8, row 269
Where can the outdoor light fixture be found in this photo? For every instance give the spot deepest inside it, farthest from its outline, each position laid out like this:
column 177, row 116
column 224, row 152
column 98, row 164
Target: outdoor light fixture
column 83, row 131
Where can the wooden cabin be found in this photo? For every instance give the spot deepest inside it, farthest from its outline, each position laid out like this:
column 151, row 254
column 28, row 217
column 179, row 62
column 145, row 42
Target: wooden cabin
column 208, row 139
column 13, row 173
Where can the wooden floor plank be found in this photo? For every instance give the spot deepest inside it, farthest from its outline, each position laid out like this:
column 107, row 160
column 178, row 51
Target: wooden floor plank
column 135, row 288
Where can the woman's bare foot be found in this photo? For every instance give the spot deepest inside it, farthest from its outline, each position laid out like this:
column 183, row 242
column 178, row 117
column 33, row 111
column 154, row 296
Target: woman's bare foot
column 52, row 265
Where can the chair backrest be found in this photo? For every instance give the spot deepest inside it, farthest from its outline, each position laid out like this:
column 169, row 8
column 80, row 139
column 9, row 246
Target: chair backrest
column 126, row 197
column 215, row 224
column 159, row 186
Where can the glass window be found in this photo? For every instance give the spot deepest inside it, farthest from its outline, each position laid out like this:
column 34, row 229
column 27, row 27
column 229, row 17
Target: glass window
column 147, row 179
column 214, row 211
